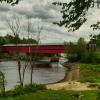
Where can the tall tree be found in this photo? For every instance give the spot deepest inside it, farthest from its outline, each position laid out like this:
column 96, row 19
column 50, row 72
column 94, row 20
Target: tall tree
column 15, row 26
column 95, row 39
column 74, row 12
column 39, row 29
column 29, row 26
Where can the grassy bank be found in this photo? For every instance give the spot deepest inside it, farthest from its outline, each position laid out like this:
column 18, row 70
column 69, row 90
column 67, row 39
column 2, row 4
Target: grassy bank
column 90, row 73
column 57, row 95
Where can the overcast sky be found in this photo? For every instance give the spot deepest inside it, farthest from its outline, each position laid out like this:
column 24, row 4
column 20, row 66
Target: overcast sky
column 43, row 13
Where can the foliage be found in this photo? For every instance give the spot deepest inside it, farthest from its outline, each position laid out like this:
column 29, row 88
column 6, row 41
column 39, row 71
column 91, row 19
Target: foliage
column 90, row 67
column 70, row 51
column 91, row 57
column 2, row 84
column 9, row 39
column 19, row 89
column 76, row 52
column 79, row 52
column 57, row 95
column 74, row 13
column 12, row 2
column 91, row 79
column 96, row 26
column 81, row 48
column 95, row 39
column 90, row 73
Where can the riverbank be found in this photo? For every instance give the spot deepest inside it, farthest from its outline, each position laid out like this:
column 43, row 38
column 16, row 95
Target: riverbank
column 78, row 78
column 71, row 86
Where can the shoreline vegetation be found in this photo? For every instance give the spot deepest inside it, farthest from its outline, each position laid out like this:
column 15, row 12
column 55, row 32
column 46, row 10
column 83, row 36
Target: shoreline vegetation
column 69, row 86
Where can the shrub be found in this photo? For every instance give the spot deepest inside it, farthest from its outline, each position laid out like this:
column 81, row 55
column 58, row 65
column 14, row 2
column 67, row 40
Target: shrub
column 2, row 84
column 88, row 79
column 91, row 79
column 72, row 57
column 19, row 90
column 90, row 73
column 34, row 88
column 90, row 68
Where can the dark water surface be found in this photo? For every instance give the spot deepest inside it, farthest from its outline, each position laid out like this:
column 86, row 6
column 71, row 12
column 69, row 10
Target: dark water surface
column 40, row 75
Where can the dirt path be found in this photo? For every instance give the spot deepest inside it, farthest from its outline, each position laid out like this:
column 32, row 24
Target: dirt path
column 69, row 86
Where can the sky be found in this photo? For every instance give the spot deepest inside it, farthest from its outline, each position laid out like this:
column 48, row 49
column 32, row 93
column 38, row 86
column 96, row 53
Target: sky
column 42, row 14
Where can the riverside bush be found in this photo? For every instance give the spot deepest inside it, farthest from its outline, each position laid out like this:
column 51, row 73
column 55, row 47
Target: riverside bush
column 91, row 79
column 85, row 57
column 90, row 73
column 20, row 90
column 34, row 87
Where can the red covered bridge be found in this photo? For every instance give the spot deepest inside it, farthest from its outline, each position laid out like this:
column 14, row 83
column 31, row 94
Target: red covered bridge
column 30, row 48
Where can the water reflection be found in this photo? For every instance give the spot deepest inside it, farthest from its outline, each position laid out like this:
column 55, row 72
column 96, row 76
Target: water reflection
column 40, row 75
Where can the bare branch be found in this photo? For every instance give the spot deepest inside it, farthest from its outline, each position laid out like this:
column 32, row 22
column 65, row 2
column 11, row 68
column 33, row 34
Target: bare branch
column 40, row 28
column 14, row 24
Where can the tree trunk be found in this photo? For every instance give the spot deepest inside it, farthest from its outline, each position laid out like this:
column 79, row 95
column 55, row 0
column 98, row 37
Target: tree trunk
column 31, row 65
column 19, row 71
column 24, row 70
column 31, row 80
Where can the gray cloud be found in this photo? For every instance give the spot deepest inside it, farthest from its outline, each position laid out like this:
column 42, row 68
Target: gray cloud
column 4, row 7
column 44, row 13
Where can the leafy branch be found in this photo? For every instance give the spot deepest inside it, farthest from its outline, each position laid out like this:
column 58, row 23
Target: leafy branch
column 12, row 2
column 74, row 13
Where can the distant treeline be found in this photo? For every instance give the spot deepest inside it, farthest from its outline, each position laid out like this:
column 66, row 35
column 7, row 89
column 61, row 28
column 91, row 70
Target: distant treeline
column 9, row 39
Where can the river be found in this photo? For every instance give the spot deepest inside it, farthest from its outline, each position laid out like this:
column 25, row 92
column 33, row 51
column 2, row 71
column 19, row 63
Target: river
column 40, row 75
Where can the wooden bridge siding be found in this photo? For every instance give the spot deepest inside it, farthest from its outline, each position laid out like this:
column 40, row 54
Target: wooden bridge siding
column 35, row 49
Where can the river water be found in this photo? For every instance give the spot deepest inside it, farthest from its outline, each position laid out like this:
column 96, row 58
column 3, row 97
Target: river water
column 40, row 75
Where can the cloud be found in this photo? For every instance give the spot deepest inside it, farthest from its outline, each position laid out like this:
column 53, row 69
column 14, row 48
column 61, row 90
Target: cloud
column 4, row 7
column 37, row 10
column 43, row 13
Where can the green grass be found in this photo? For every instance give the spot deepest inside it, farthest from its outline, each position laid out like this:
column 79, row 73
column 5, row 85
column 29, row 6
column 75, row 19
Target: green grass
column 57, row 95
column 90, row 73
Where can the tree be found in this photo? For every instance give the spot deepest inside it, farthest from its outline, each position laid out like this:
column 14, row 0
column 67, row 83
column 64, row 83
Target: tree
column 12, row 2
column 81, row 48
column 14, row 26
column 2, row 41
column 71, row 51
column 95, row 39
column 76, row 51
column 29, row 26
column 74, row 13
column 32, row 63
